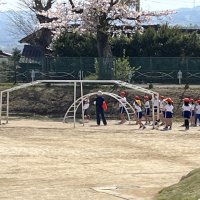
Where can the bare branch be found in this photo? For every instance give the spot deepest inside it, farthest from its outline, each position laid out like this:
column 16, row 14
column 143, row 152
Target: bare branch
column 22, row 22
column 49, row 5
column 38, row 5
column 74, row 9
column 112, row 3
column 72, row 4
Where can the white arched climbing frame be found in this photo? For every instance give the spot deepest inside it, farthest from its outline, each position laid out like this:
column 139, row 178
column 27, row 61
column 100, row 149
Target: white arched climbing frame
column 71, row 113
column 74, row 82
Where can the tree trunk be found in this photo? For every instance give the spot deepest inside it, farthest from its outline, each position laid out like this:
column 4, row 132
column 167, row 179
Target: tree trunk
column 105, row 56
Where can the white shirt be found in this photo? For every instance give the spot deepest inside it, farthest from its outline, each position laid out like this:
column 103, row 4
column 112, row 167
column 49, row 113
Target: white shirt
column 156, row 103
column 169, row 108
column 197, row 108
column 162, row 105
column 147, row 104
column 123, row 102
column 186, row 108
column 138, row 108
column 192, row 106
column 86, row 103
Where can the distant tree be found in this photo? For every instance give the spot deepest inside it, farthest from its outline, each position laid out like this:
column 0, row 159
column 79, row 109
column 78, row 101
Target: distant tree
column 118, row 44
column 75, row 45
column 190, row 44
column 122, row 69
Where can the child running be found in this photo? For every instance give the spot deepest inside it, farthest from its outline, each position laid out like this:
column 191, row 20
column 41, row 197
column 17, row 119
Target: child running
column 186, row 112
column 139, row 113
column 168, row 109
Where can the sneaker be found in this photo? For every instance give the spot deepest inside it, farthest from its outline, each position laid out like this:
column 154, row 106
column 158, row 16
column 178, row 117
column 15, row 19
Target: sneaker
column 165, row 129
column 144, row 127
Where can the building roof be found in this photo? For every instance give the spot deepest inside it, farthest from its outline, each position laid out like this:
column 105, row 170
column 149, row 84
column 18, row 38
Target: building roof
column 4, row 54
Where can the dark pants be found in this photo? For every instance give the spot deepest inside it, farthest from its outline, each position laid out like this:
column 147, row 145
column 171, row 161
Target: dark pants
column 100, row 115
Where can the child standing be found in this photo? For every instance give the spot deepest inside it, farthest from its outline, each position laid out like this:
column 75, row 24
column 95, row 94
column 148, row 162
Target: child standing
column 197, row 113
column 86, row 104
column 168, row 109
column 146, row 110
column 162, row 110
column 192, row 120
column 186, row 112
column 122, row 106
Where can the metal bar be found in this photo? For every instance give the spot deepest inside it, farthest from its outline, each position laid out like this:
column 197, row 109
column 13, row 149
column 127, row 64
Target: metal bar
column 1, row 98
column 74, row 104
column 158, row 109
column 22, row 86
column 83, row 117
column 104, row 93
column 7, row 107
column 153, row 113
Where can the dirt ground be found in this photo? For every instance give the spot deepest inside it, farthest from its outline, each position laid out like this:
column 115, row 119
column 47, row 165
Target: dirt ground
column 53, row 161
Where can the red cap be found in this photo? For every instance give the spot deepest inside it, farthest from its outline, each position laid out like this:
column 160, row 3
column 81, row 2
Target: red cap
column 192, row 100
column 198, row 101
column 169, row 100
column 162, row 97
column 137, row 97
column 186, row 100
column 122, row 93
column 146, row 97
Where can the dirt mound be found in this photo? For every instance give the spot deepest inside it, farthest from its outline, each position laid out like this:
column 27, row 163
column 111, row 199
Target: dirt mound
column 187, row 188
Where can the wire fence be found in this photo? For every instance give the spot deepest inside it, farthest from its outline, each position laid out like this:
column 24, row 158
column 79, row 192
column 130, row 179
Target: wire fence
column 151, row 69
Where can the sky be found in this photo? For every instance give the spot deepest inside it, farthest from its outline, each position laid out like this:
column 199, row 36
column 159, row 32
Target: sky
column 145, row 4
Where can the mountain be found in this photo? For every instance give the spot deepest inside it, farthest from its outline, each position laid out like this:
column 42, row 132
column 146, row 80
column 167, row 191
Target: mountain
column 187, row 17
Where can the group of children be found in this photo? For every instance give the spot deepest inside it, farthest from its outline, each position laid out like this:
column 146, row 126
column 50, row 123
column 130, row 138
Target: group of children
column 163, row 110
column 142, row 106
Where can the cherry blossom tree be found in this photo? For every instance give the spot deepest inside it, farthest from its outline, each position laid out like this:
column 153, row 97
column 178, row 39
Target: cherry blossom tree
column 103, row 18
column 107, row 17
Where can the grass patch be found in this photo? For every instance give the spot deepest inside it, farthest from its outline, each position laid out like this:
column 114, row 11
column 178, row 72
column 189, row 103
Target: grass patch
column 187, row 189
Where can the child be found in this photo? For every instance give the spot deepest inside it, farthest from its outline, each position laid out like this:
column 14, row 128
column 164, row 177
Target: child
column 146, row 109
column 197, row 113
column 186, row 112
column 122, row 106
column 155, row 104
column 86, row 104
column 135, row 99
column 192, row 120
column 168, row 109
column 139, row 113
column 162, row 112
